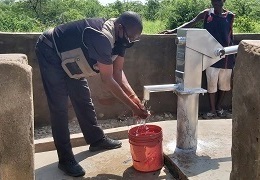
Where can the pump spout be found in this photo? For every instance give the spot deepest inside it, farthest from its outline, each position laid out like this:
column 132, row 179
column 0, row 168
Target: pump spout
column 158, row 88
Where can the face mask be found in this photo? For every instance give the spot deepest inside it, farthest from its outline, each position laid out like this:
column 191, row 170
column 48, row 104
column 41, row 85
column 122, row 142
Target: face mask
column 124, row 42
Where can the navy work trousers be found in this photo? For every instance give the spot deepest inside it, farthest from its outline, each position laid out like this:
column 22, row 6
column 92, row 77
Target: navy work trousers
column 58, row 87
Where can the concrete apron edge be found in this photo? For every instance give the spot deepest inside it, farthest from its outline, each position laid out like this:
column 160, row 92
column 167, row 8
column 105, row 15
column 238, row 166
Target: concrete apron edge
column 174, row 170
column 47, row 144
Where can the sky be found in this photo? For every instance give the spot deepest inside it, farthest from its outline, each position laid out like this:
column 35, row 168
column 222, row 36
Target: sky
column 104, row 2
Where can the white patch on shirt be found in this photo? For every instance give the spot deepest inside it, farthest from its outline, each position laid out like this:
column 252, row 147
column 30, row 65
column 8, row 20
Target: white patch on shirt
column 109, row 30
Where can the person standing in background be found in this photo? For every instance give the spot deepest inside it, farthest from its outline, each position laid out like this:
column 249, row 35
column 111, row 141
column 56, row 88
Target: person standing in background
column 219, row 23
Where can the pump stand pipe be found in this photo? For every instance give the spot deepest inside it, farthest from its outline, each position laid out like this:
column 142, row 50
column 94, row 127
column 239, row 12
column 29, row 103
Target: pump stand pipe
column 187, row 112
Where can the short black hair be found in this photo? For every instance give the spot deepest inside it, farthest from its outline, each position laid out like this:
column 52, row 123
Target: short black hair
column 130, row 19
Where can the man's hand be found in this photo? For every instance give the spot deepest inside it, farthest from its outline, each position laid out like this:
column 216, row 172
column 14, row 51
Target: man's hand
column 141, row 112
column 137, row 101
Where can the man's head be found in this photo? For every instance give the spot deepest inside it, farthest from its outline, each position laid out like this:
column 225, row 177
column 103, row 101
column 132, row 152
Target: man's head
column 218, row 4
column 129, row 26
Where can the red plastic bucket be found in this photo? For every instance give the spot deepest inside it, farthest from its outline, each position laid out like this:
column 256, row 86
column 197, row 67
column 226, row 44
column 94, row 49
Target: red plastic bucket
column 146, row 147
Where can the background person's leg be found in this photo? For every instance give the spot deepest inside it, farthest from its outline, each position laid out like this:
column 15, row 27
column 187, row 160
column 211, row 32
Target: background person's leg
column 212, row 81
column 212, row 102
column 221, row 95
column 224, row 86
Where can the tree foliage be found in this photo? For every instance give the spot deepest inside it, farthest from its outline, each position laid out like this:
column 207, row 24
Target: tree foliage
column 151, row 9
column 38, row 15
column 177, row 12
column 247, row 14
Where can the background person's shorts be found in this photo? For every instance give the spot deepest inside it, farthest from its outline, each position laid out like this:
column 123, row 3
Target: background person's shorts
column 218, row 78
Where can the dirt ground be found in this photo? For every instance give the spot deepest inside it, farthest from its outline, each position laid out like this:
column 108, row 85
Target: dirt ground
column 45, row 131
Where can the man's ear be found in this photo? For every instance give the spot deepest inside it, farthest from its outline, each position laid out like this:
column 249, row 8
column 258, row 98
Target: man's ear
column 120, row 30
column 120, row 26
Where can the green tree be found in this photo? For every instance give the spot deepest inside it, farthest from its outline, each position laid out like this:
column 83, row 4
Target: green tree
column 12, row 22
column 37, row 15
column 135, row 6
column 247, row 14
column 151, row 9
column 177, row 12
column 7, row 1
column 113, row 9
column 53, row 12
column 244, row 24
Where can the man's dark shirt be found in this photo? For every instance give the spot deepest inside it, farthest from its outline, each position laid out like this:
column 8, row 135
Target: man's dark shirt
column 88, row 35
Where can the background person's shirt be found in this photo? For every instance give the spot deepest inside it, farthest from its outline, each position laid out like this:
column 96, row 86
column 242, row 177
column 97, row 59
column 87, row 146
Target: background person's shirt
column 220, row 27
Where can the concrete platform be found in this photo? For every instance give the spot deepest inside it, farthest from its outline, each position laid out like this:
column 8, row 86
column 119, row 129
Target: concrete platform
column 212, row 160
column 112, row 164
column 213, row 156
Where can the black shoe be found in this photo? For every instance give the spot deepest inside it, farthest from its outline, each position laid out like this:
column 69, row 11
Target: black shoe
column 224, row 114
column 105, row 143
column 209, row 115
column 71, row 168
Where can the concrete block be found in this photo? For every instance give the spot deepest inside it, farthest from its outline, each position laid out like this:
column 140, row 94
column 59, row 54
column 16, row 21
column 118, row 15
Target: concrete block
column 16, row 119
column 21, row 58
column 246, row 116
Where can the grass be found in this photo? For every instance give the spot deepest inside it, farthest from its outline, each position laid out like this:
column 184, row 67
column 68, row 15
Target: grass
column 153, row 27
column 257, row 28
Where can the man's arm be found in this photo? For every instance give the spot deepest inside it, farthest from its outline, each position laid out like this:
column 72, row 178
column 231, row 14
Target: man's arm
column 121, row 79
column 189, row 24
column 107, row 77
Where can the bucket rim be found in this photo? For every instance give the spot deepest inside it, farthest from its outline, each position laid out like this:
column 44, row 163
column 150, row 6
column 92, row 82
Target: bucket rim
column 155, row 135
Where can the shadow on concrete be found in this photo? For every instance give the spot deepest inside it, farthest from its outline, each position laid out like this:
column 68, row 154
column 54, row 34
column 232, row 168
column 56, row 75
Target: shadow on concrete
column 203, row 164
column 130, row 174
column 188, row 164
column 86, row 154
column 51, row 172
